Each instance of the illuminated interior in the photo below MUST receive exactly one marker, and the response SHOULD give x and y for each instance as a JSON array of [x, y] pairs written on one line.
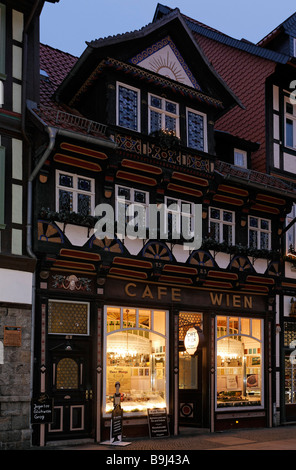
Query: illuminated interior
[[239, 362], [136, 348]]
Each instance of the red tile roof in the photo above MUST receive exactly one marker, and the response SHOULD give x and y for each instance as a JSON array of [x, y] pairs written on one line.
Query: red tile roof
[[246, 75]]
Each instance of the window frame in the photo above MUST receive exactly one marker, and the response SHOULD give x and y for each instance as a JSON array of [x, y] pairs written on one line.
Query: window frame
[[138, 92], [205, 133], [244, 156], [259, 230], [178, 213], [123, 328], [75, 191], [291, 117], [239, 333], [221, 223], [163, 113], [131, 201]]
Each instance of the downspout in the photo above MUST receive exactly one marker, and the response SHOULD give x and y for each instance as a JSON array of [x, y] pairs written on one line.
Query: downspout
[[38, 3]]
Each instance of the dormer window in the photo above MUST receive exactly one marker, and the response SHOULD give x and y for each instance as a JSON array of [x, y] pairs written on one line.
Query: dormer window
[[163, 115], [240, 158], [128, 107]]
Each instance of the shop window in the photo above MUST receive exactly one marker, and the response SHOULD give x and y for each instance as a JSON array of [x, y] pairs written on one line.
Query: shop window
[[128, 107], [290, 123], [136, 355], [179, 218], [221, 225], [163, 115], [68, 318], [197, 130], [290, 362], [133, 203], [240, 158], [259, 233], [74, 193], [239, 362]]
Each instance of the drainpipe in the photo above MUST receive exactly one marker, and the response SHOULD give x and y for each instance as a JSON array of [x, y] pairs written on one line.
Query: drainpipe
[[38, 3]]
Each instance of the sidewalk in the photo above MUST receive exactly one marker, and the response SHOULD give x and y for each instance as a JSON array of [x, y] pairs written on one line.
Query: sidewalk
[[277, 438]]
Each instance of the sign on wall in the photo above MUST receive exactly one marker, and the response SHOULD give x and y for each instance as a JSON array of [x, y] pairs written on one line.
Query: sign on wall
[[12, 336], [191, 341]]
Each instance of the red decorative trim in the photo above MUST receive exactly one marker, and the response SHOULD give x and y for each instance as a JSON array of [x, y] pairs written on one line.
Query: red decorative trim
[[231, 190], [271, 199], [129, 273], [132, 262], [125, 175], [228, 200], [80, 255], [180, 280], [83, 151], [74, 265], [260, 280], [190, 179], [180, 269], [60, 158], [183, 189], [224, 285], [222, 275], [141, 166], [262, 208]]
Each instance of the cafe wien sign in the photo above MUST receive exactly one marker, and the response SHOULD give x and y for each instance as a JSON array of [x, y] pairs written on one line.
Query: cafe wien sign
[[161, 294]]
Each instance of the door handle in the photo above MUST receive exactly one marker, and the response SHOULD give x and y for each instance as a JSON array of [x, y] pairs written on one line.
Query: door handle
[[88, 394]]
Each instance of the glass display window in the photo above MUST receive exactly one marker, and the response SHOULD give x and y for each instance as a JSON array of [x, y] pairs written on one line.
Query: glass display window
[[239, 380], [136, 356]]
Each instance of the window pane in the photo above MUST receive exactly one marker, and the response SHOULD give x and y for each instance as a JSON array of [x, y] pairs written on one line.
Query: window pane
[[84, 204], [253, 239], [171, 107], [159, 321], [170, 123], [253, 222], [289, 133], [264, 241], [215, 231], [155, 102], [113, 319], [227, 216], [140, 197], [215, 214], [155, 121], [66, 180], [144, 319], [65, 201], [129, 318], [124, 193], [227, 234], [84, 184], [265, 224], [245, 326], [187, 371], [195, 131], [256, 329], [128, 108]]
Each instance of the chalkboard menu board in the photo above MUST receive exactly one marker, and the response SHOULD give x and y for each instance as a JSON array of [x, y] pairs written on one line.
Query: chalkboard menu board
[[158, 422], [116, 424], [42, 410]]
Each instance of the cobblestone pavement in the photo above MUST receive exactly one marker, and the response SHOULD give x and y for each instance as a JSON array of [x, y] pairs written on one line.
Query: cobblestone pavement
[[277, 438]]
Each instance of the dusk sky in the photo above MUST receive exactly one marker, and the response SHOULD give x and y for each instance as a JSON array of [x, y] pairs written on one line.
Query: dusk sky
[[68, 24]]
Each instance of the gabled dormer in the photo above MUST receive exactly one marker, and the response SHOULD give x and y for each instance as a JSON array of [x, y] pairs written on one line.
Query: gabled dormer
[[151, 80]]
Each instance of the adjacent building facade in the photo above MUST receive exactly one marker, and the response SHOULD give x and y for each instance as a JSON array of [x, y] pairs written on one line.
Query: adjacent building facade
[[19, 81]]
